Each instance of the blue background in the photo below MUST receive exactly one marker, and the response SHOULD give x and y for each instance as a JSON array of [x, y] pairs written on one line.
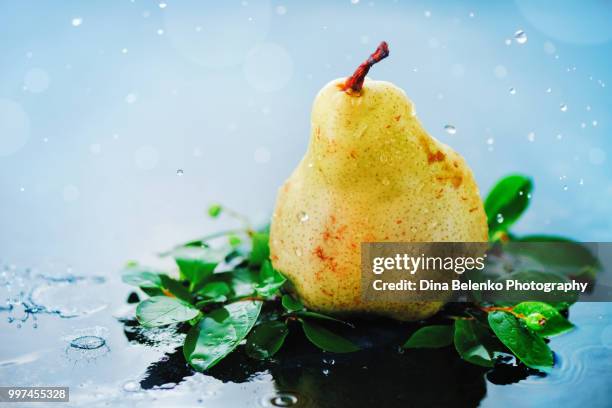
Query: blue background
[[101, 102]]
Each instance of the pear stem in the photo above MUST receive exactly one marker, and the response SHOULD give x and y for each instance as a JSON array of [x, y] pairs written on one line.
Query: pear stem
[[354, 83]]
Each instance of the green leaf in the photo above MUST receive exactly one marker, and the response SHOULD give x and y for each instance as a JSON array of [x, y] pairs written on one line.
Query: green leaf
[[214, 210], [266, 339], [507, 201], [270, 280], [140, 276], [470, 342], [561, 255], [234, 240], [242, 282], [291, 304], [215, 289], [431, 337], [260, 250], [555, 322], [197, 264], [163, 310], [526, 346], [219, 333], [326, 340], [176, 288], [315, 315]]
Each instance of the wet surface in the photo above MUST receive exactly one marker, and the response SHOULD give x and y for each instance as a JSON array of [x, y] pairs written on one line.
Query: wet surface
[[69, 329]]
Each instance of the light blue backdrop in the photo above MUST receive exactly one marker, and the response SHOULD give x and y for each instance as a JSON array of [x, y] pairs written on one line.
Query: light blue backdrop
[[101, 102]]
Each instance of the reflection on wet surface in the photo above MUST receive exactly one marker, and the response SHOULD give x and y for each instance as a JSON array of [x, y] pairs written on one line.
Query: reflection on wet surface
[[78, 331]]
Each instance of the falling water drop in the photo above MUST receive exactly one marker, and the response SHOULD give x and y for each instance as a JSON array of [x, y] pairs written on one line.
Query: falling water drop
[[563, 107], [531, 136], [450, 129], [520, 37], [548, 90], [512, 91], [179, 172]]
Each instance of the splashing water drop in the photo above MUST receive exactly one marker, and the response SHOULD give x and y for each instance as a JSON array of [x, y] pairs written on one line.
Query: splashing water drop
[[520, 37], [450, 129], [284, 400], [88, 342]]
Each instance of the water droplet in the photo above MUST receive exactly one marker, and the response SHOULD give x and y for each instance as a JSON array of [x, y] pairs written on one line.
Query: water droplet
[[531, 136], [529, 196], [450, 129], [548, 90], [581, 182], [512, 91], [325, 372], [354, 1], [521, 192], [298, 252], [160, 32], [179, 172], [385, 181], [22, 189], [520, 37], [162, 5], [284, 400], [588, 107], [565, 188], [490, 141], [427, 13], [559, 136], [594, 123], [508, 41], [383, 158], [563, 107], [500, 218], [472, 15], [77, 21], [303, 217], [88, 342]]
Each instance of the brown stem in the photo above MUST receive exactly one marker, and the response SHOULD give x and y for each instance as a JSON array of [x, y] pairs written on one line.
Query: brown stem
[[508, 309], [354, 83]]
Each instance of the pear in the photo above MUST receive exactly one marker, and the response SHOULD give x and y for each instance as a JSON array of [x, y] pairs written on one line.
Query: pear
[[371, 174]]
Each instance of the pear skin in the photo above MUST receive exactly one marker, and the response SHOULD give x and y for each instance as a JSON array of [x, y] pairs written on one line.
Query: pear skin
[[371, 174]]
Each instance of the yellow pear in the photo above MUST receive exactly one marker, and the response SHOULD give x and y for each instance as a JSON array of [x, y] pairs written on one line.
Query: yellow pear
[[371, 174]]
